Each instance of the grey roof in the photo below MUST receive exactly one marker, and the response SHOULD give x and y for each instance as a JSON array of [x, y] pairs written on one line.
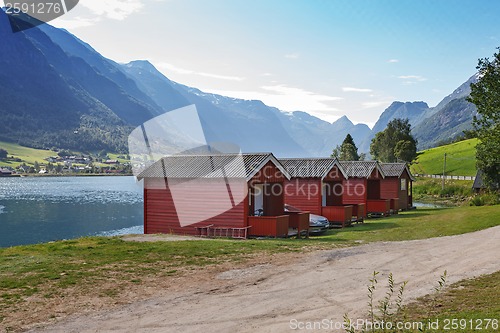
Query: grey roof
[[395, 169], [210, 166], [360, 169], [310, 167], [478, 181]]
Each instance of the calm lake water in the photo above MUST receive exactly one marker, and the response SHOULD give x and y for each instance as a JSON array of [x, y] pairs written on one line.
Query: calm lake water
[[42, 209]]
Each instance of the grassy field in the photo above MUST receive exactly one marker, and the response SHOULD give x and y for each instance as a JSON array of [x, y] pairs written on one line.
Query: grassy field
[[30, 155], [65, 269], [27, 155], [460, 159]]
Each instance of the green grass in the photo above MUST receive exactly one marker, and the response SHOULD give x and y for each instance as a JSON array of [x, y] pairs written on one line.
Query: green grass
[[418, 224], [28, 155], [471, 301], [460, 159]]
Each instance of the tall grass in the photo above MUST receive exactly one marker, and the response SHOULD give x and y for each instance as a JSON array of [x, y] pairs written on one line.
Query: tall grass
[[429, 188]]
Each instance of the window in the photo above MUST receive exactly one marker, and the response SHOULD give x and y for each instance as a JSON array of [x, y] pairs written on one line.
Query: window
[[403, 184]]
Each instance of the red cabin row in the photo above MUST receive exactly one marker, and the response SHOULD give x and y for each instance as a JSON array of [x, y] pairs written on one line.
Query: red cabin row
[[244, 195]]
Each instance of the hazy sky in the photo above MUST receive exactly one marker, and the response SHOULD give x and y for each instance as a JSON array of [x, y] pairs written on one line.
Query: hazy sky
[[329, 58]]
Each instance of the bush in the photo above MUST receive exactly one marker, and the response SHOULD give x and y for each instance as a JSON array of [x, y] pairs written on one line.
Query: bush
[[487, 199]]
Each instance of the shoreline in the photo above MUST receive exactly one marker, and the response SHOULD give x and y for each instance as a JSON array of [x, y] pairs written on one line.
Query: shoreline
[[24, 175]]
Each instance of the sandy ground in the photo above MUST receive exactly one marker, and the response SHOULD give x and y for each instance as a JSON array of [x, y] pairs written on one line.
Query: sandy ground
[[323, 285]]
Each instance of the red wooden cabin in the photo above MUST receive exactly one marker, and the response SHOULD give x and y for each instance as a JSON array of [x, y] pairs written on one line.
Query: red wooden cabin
[[215, 195], [363, 187], [316, 186], [397, 185]]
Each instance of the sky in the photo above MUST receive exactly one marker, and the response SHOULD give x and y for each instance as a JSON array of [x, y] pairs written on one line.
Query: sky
[[328, 58]]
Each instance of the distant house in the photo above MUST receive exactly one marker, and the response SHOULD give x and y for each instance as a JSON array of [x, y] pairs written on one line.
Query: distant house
[[397, 185], [5, 172], [111, 162], [478, 185], [363, 186], [316, 186], [224, 194]]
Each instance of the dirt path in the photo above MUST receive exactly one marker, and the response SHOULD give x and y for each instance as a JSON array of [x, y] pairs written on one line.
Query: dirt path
[[324, 285]]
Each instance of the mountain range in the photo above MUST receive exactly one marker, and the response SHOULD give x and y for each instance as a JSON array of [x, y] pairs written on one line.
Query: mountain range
[[57, 91]]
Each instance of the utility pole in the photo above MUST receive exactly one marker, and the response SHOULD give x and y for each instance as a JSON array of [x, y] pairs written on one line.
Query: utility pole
[[444, 171]]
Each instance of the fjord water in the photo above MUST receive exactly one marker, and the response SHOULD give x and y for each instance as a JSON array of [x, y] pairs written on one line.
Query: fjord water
[[42, 209]]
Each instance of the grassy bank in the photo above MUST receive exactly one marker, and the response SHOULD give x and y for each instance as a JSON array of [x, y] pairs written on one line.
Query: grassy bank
[[471, 302], [460, 159], [430, 189], [39, 276]]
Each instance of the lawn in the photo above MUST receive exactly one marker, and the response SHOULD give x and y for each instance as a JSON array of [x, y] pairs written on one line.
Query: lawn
[[418, 224], [460, 159]]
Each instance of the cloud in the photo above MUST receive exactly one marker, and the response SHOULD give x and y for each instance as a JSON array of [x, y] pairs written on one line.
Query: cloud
[[411, 79], [351, 89], [289, 99], [222, 77], [375, 104], [292, 56], [173, 68], [76, 22], [392, 61], [112, 9]]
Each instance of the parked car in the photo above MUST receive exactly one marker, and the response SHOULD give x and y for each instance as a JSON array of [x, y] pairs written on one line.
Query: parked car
[[317, 224]]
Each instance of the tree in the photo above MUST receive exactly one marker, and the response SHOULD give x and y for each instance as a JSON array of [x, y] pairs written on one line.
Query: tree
[[485, 94], [383, 146], [347, 151], [36, 167], [335, 152], [405, 150], [3, 153]]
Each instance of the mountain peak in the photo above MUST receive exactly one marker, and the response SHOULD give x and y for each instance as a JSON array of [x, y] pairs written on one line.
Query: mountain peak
[[142, 64], [343, 121]]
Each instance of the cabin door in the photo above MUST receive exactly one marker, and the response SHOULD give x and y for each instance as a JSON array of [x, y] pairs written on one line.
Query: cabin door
[[324, 193], [258, 196]]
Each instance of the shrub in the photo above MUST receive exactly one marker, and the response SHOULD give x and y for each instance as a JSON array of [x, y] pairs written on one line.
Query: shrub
[[487, 199]]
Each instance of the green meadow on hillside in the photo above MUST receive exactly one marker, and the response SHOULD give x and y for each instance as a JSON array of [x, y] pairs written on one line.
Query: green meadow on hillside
[[27, 155], [32, 155], [460, 159]]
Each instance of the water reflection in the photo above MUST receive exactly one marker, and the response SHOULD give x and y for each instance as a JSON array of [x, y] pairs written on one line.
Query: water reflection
[[429, 205], [42, 209]]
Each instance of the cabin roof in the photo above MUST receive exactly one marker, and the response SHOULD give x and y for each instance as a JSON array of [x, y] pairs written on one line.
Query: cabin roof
[[311, 167], [361, 169], [478, 181], [211, 166], [395, 169]]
